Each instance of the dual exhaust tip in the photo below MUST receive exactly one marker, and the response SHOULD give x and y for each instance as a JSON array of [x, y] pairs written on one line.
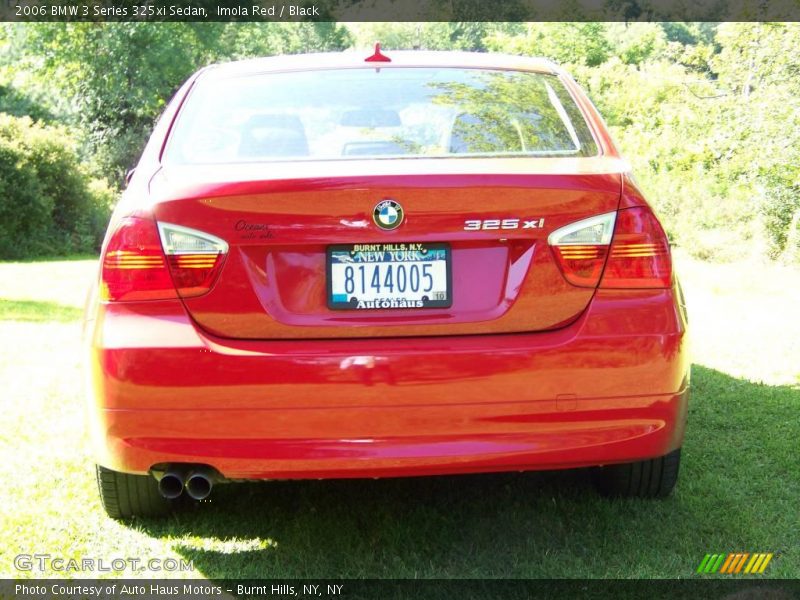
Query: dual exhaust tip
[[196, 482]]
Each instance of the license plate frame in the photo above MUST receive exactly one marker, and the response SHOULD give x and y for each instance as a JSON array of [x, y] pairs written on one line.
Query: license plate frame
[[349, 305]]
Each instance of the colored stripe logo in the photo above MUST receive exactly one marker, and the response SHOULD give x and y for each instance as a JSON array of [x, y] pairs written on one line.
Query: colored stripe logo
[[735, 563]]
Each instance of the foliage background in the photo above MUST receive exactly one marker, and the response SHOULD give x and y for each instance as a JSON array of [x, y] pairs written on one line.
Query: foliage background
[[708, 114]]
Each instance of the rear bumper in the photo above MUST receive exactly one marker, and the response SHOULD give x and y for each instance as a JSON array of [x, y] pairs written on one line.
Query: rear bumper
[[611, 387]]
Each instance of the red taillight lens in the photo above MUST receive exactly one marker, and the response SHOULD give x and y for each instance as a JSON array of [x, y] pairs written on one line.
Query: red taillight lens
[[195, 258], [581, 265], [194, 273], [581, 248], [134, 265], [145, 261], [639, 255]]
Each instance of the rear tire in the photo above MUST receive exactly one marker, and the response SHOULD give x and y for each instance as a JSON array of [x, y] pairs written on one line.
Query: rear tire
[[124, 495], [654, 478]]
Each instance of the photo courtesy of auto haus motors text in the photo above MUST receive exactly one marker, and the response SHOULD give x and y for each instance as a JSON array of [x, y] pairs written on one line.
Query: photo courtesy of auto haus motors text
[[175, 590]]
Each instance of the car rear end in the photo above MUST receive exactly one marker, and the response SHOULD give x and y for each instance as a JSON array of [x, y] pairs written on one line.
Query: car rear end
[[326, 268]]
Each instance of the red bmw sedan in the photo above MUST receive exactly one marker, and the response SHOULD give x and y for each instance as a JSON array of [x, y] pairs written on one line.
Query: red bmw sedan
[[414, 264]]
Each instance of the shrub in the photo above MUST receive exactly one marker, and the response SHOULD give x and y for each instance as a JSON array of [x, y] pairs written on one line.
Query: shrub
[[17, 103], [48, 203]]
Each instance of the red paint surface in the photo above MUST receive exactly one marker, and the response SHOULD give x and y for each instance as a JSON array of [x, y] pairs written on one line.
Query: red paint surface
[[259, 379], [165, 392]]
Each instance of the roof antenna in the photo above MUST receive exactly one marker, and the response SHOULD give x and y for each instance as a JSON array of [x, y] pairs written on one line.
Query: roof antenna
[[378, 57]]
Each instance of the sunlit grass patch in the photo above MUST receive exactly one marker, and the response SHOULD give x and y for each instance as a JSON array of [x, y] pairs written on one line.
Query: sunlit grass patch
[[31, 310], [64, 282], [227, 546]]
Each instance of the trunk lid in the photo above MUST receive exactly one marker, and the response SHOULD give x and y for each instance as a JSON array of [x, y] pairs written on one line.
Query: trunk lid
[[279, 220]]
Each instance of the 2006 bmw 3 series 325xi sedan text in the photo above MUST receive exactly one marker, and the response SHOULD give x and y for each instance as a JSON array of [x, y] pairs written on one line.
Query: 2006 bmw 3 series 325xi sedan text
[[415, 264]]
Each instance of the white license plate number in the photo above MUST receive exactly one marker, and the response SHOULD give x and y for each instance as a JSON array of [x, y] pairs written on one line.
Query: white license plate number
[[389, 276]]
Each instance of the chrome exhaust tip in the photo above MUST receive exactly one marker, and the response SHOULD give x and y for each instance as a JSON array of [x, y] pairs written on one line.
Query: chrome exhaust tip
[[170, 485], [199, 485]]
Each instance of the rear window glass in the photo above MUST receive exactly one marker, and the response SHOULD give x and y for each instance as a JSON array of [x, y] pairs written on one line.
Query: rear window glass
[[371, 113]]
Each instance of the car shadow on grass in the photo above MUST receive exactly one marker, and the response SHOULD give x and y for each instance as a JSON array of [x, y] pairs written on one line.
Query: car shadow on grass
[[736, 492]]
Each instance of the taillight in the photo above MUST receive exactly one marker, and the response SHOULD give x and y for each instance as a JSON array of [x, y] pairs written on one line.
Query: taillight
[[635, 256], [144, 261], [639, 256], [134, 265], [581, 248], [195, 258]]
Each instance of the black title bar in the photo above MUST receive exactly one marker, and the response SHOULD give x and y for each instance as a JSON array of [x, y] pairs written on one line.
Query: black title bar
[[200, 11]]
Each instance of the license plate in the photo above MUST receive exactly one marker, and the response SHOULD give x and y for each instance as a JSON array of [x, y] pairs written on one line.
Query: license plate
[[389, 276]]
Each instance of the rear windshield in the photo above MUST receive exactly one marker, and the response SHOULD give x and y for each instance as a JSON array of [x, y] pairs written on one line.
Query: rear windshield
[[378, 113]]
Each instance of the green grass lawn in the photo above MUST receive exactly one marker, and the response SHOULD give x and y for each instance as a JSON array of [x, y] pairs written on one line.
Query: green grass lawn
[[739, 488]]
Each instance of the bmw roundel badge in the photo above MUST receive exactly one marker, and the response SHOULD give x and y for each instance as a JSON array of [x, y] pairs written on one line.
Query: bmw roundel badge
[[388, 214]]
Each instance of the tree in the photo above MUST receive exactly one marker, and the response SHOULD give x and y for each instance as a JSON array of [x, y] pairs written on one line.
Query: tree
[[118, 77], [566, 43]]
